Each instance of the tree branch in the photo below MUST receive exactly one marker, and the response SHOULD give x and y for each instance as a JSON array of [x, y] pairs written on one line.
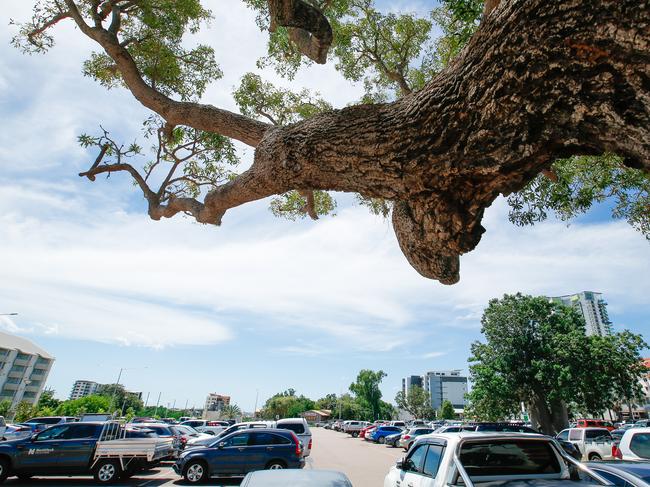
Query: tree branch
[[196, 115]]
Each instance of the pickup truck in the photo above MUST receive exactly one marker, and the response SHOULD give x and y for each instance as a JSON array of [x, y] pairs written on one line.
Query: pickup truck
[[92, 448], [592, 443], [469, 459], [354, 427]]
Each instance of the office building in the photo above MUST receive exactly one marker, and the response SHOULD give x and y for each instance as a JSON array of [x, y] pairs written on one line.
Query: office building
[[215, 402], [446, 385], [83, 388], [411, 381], [592, 307], [24, 368]]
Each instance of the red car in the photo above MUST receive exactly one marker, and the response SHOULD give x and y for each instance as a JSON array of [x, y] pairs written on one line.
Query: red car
[[367, 430], [594, 423]]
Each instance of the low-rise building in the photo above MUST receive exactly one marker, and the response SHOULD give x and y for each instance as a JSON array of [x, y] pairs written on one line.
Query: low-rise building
[[24, 368], [214, 404], [317, 415]]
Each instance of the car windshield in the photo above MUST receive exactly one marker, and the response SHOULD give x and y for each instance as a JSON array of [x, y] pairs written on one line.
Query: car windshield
[[44, 420], [297, 428]]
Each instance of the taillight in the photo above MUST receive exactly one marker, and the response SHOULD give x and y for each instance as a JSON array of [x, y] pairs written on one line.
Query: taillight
[[616, 452], [406, 437], [309, 447], [297, 442]]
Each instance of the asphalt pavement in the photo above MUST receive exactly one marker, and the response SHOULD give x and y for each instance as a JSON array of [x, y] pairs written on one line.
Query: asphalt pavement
[[365, 463]]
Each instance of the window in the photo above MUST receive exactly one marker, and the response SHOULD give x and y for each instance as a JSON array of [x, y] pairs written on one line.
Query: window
[[238, 440], [563, 435], [54, 433], [598, 435], [432, 460], [259, 439], [80, 431], [298, 428], [52, 420], [509, 457], [640, 445], [22, 356], [414, 461], [614, 479], [575, 434], [18, 368], [13, 380], [29, 394]]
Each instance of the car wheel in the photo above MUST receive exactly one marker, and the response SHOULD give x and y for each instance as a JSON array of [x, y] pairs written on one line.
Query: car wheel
[[196, 472], [107, 471], [275, 465], [595, 457], [5, 469], [355, 434], [382, 440]]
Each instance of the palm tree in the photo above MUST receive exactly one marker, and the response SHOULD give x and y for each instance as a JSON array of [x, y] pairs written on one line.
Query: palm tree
[[231, 411]]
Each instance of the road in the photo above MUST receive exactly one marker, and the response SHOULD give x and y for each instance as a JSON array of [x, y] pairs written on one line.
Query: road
[[365, 463]]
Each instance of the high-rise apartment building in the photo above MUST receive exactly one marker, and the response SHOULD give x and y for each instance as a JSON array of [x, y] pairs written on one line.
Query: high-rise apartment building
[[592, 307], [215, 402], [24, 368], [83, 388]]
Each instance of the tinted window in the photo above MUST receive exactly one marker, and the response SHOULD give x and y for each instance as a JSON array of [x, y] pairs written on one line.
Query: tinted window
[[238, 440], [44, 420], [563, 435], [508, 457], [297, 428], [416, 459], [268, 439], [432, 460], [422, 431], [600, 435], [640, 445], [614, 479], [53, 433], [79, 431], [161, 430]]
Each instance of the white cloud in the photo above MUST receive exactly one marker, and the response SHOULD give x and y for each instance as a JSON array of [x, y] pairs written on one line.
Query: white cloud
[[434, 354]]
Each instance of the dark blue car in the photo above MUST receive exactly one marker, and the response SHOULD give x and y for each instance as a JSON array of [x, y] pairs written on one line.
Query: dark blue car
[[241, 452], [380, 434]]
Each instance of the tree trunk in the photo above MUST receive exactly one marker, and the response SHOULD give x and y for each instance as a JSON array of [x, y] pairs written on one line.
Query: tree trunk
[[540, 80]]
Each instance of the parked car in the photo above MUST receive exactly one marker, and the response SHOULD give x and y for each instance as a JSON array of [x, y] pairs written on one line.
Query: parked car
[[235, 427], [438, 460], [296, 478], [354, 427], [623, 474], [393, 440], [16, 431], [366, 430], [408, 437], [642, 423], [44, 422], [76, 448], [592, 443], [186, 433], [241, 452], [163, 431], [634, 445], [205, 426], [503, 427], [380, 434], [450, 429], [300, 427], [594, 423]]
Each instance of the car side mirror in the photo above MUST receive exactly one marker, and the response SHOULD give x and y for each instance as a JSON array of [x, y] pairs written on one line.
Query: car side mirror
[[34, 437], [221, 445], [399, 464]]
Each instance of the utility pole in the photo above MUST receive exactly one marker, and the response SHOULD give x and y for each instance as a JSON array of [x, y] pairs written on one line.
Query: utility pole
[[119, 376], [257, 395], [157, 403], [146, 400]]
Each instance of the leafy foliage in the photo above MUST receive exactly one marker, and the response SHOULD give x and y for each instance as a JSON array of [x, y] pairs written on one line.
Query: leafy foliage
[[581, 182], [286, 405], [447, 410], [293, 205], [366, 389], [537, 353], [416, 402], [5, 407]]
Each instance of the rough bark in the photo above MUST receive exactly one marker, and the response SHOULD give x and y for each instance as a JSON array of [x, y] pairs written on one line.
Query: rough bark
[[541, 79]]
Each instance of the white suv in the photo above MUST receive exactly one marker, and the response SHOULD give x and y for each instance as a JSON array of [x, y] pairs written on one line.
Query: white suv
[[300, 427], [634, 445]]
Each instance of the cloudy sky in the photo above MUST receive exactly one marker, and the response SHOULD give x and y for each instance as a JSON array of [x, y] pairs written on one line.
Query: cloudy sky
[[260, 304]]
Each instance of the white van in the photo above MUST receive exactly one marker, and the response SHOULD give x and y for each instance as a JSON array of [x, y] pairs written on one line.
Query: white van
[[300, 427]]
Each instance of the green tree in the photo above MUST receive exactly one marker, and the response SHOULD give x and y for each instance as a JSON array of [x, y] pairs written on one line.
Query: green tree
[[286, 405], [88, 404], [329, 401], [5, 408], [537, 353], [447, 410], [489, 116], [231, 411], [120, 398], [416, 402], [24, 411], [366, 389], [47, 400]]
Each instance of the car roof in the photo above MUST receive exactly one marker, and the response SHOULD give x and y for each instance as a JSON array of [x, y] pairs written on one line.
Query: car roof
[[297, 478], [632, 467]]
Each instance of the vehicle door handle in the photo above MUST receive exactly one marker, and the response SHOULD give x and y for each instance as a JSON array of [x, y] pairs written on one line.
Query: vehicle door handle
[[241, 448], [269, 448]]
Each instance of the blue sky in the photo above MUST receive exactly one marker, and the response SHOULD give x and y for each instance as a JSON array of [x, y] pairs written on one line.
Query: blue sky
[[259, 304]]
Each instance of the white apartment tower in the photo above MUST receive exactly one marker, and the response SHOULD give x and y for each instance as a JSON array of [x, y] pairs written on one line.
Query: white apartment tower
[[83, 388], [24, 368], [592, 307]]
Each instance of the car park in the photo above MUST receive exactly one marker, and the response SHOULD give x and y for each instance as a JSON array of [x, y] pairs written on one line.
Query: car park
[[623, 474], [296, 478], [16, 431], [380, 434], [301, 428], [592, 443], [205, 426], [100, 449], [186, 433], [408, 437], [235, 427], [634, 445], [467, 459], [241, 452], [41, 423], [393, 440]]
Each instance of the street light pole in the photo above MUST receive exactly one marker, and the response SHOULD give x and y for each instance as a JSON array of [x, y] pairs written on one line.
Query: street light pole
[[8, 314]]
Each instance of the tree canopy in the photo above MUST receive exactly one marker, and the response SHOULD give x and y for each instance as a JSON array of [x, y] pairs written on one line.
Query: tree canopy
[[537, 352], [545, 102], [416, 401]]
